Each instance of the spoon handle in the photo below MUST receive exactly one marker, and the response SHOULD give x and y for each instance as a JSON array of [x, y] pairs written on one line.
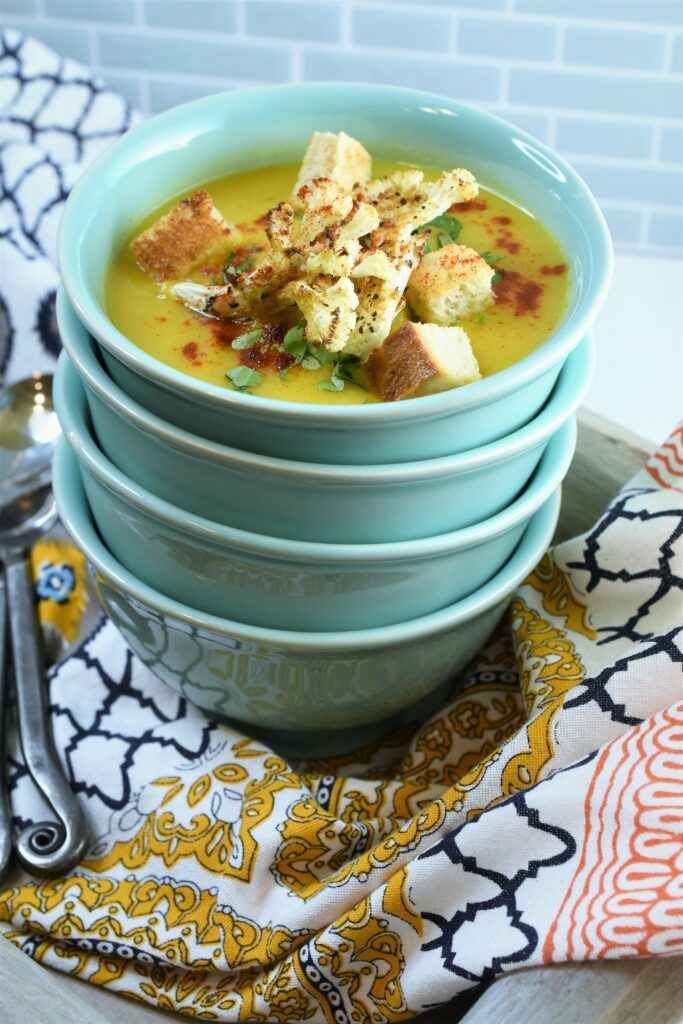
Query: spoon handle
[[5, 814], [46, 848]]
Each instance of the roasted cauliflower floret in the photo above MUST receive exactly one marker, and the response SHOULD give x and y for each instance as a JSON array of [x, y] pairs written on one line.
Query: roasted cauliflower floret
[[325, 205], [379, 300], [405, 201], [331, 225], [420, 359], [338, 157], [255, 291], [324, 243], [450, 284], [374, 263], [328, 310]]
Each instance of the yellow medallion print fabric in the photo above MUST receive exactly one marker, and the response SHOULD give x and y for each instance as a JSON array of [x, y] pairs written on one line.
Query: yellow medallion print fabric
[[232, 884]]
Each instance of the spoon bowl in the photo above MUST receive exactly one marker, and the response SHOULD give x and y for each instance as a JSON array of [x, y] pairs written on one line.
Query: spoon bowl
[[28, 431]]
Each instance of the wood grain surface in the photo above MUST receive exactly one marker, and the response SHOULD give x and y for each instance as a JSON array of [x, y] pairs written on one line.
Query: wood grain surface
[[604, 992]]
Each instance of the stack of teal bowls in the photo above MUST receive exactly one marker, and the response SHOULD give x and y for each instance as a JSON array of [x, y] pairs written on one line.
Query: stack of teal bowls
[[311, 571]]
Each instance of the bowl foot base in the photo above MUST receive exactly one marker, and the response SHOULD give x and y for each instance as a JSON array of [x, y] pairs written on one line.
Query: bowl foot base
[[301, 745]]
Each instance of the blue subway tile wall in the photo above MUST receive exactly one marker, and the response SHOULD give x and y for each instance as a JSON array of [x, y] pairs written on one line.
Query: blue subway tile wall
[[612, 48], [198, 14], [282, 19], [507, 38], [599, 80], [671, 149], [120, 11], [401, 29]]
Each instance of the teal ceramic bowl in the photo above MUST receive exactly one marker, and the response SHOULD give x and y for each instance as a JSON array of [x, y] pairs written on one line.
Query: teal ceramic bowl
[[296, 683], [307, 501], [287, 584], [191, 144]]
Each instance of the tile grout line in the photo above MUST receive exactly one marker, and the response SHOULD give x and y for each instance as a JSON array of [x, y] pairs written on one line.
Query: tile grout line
[[656, 146], [346, 18], [559, 43], [241, 20], [454, 34], [296, 65], [668, 54]]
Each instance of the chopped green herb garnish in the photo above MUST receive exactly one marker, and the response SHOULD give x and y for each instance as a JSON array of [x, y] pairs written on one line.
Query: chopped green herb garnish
[[342, 372], [244, 377], [294, 343], [432, 244], [230, 270], [492, 257], [497, 278], [333, 384], [448, 223], [293, 334], [443, 231], [451, 225], [323, 354], [305, 355], [248, 339]]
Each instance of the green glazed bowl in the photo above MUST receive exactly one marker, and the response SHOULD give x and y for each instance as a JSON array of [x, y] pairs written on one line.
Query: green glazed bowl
[[288, 584], [298, 684], [191, 144], [304, 500]]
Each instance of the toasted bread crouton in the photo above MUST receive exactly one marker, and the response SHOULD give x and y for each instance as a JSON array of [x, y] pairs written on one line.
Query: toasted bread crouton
[[421, 359], [452, 283], [191, 231], [334, 156]]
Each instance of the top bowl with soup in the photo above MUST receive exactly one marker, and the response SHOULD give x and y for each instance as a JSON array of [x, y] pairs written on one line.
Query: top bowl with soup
[[315, 318]]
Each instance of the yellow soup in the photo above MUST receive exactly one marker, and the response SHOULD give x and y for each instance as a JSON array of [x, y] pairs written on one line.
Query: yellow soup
[[531, 293]]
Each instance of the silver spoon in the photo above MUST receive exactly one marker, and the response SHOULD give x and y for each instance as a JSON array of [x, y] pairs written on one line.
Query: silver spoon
[[47, 848], [29, 429]]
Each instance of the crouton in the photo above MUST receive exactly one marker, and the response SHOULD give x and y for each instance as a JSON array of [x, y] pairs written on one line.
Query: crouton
[[191, 231], [450, 284], [334, 156], [421, 359]]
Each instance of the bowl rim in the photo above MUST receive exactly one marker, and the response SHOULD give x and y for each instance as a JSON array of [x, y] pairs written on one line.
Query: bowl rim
[[567, 394], [71, 405], [481, 392], [74, 512]]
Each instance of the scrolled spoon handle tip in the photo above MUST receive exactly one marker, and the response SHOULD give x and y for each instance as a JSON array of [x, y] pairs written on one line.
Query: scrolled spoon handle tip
[[49, 849]]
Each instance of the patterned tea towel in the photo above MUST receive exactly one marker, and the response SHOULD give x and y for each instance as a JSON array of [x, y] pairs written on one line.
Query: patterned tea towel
[[537, 817], [55, 117]]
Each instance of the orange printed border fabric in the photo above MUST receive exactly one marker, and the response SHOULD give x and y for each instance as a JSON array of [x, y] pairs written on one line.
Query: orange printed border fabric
[[536, 817]]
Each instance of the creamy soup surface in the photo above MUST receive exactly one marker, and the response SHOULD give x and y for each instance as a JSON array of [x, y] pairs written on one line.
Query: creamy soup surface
[[531, 290]]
